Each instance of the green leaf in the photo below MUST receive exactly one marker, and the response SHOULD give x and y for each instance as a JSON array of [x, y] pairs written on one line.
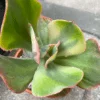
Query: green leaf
[[54, 79], [52, 56], [43, 30], [18, 14], [35, 45], [89, 62], [17, 73], [49, 53], [27, 54], [70, 36]]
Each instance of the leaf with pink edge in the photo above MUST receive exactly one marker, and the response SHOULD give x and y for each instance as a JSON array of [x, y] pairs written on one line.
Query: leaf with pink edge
[[17, 73], [14, 32], [89, 62], [70, 36], [54, 79]]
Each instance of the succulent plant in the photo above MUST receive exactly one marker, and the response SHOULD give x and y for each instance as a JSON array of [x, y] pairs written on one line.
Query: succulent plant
[[55, 56]]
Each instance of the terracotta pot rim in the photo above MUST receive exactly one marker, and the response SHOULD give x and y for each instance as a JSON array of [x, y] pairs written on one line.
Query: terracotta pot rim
[[28, 91]]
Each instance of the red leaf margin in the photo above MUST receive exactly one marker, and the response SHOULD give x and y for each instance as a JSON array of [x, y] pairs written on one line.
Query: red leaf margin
[[98, 48], [20, 51]]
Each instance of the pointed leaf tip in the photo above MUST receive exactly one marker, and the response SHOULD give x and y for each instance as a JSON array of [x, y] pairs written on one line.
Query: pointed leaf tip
[[54, 52]]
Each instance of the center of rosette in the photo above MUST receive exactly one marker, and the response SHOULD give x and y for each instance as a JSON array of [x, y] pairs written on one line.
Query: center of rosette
[[49, 53]]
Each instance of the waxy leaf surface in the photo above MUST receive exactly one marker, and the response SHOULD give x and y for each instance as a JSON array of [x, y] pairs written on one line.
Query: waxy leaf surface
[[17, 73], [70, 36], [54, 79], [43, 30], [89, 62], [18, 14]]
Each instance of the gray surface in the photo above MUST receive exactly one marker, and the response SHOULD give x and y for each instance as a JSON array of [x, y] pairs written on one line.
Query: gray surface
[[86, 13], [75, 94]]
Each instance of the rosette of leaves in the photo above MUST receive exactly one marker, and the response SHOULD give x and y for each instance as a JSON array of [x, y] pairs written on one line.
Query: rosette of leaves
[[56, 56]]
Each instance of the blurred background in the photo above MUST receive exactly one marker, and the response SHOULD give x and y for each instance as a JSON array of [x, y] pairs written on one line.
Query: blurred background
[[85, 13]]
